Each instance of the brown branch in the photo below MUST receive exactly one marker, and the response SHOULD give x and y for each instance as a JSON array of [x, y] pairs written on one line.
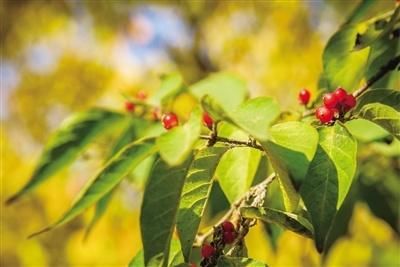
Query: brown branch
[[220, 139], [389, 66], [235, 207]]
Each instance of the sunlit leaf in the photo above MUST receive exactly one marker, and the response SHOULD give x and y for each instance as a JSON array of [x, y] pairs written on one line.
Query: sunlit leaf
[[329, 178], [171, 85], [287, 220], [159, 207], [176, 144], [138, 260], [254, 116], [219, 86], [290, 150], [109, 177], [383, 115], [73, 136], [236, 171], [195, 194], [365, 131]]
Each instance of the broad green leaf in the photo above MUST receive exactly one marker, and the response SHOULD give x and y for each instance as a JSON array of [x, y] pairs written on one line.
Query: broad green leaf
[[236, 171], [225, 261], [175, 254], [219, 86], [176, 144], [365, 131], [128, 136], [195, 194], [383, 115], [287, 220], [290, 150], [159, 207], [383, 96], [138, 260], [254, 116], [342, 66], [171, 85], [73, 136], [360, 12], [329, 178], [109, 177]]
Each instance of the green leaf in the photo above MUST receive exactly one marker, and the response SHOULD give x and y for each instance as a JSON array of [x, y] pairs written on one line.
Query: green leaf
[[109, 177], [128, 136], [219, 86], [195, 194], [360, 12], [342, 66], [254, 116], [73, 136], [236, 171], [159, 207], [385, 116], [171, 85], [176, 144], [383, 96], [291, 149], [287, 220], [329, 178], [225, 261], [366, 131], [138, 260], [175, 254]]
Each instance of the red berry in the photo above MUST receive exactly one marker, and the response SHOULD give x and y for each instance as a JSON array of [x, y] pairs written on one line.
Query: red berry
[[304, 96], [324, 114], [227, 226], [330, 100], [349, 102], [142, 95], [129, 106], [207, 251], [340, 94], [170, 120], [229, 237], [207, 120]]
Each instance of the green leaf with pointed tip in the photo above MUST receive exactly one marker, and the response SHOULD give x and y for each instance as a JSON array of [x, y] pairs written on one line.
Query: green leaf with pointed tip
[[343, 66], [176, 144], [287, 220], [366, 131], [225, 261], [253, 116], [329, 178], [359, 13], [291, 150], [219, 86], [383, 115], [109, 177], [159, 207], [195, 194], [128, 136], [171, 85], [73, 136], [236, 171], [175, 254], [382, 96]]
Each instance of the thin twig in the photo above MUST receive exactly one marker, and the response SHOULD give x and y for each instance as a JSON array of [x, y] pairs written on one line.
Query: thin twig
[[225, 140], [389, 66], [234, 207]]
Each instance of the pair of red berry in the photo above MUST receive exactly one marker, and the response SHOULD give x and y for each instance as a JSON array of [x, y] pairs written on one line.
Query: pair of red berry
[[336, 104], [170, 120], [229, 235], [130, 106]]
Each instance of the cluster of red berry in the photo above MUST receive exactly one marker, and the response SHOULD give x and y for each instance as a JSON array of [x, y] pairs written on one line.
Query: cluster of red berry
[[336, 104], [169, 120], [229, 235]]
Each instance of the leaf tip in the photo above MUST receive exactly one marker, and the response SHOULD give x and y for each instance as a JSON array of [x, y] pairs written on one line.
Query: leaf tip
[[40, 232]]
